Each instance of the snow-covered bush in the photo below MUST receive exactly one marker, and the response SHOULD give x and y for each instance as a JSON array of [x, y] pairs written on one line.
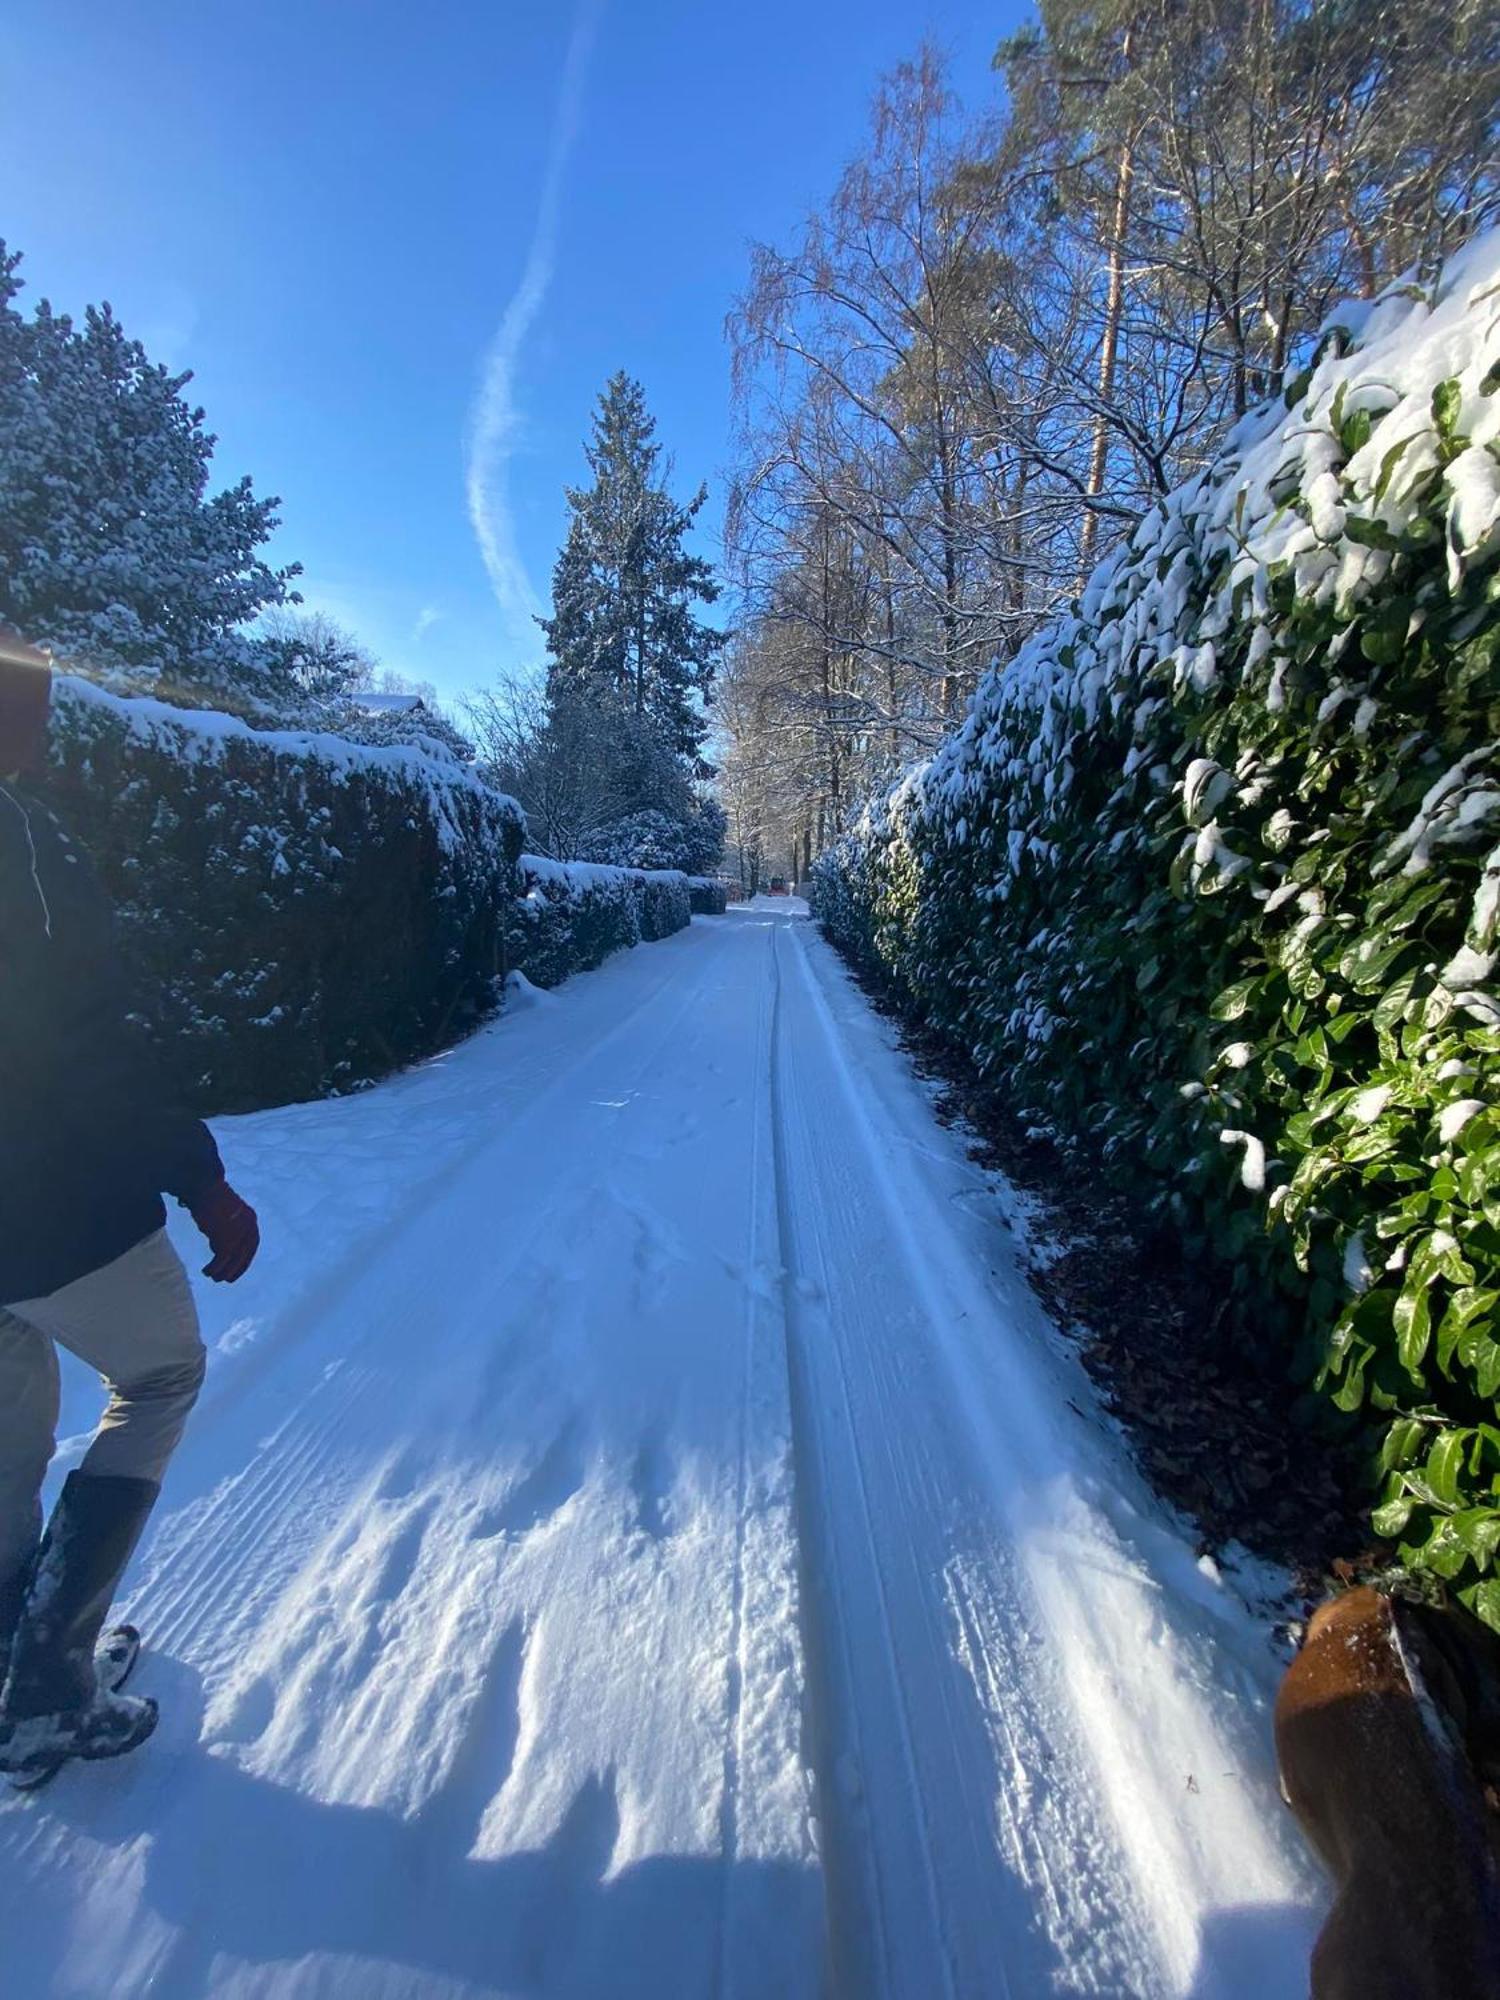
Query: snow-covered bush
[[594, 777], [305, 913], [425, 728], [665, 902], [691, 840], [1209, 881], [572, 914], [707, 895], [647, 839]]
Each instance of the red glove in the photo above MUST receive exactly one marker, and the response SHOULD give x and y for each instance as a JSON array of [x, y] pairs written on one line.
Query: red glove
[[232, 1231]]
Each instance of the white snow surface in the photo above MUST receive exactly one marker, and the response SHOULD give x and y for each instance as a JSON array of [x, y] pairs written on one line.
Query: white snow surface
[[635, 1541], [579, 874]]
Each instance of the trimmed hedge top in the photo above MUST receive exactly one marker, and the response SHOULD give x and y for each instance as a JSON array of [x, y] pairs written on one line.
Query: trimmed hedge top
[[573, 914], [305, 913], [1209, 877]]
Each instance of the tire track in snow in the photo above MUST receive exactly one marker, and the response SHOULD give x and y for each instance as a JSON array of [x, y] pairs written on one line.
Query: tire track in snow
[[947, 1871], [201, 1549], [736, 1663], [836, 1558], [1093, 1762], [861, 1944]]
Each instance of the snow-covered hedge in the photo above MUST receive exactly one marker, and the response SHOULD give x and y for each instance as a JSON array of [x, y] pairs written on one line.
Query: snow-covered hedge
[[708, 896], [691, 839], [1209, 877], [573, 914], [308, 912]]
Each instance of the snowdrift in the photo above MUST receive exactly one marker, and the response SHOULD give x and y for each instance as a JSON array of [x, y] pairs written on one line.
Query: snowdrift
[[1208, 881]]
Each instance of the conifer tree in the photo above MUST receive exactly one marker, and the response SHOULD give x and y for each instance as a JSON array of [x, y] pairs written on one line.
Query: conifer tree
[[625, 586], [112, 549]]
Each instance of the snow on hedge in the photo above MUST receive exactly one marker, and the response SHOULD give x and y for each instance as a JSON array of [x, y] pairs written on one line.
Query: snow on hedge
[[573, 914], [201, 735], [1209, 878], [304, 912], [580, 874], [708, 895], [1320, 503], [307, 911]]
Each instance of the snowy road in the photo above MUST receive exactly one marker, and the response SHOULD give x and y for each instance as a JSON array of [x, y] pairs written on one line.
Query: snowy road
[[636, 1541]]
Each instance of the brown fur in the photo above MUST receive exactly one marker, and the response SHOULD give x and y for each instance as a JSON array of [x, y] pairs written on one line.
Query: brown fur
[[1373, 1729]]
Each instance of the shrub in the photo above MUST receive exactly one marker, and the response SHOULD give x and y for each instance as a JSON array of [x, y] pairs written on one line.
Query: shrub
[[1208, 882], [573, 914], [690, 840], [665, 903], [707, 895], [305, 914]]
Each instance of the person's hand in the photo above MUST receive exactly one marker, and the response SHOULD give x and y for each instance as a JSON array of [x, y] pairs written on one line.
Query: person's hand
[[232, 1230]]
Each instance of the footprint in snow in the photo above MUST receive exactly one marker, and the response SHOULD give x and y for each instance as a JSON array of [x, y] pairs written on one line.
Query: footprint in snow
[[651, 1484], [248, 1712], [541, 1494]]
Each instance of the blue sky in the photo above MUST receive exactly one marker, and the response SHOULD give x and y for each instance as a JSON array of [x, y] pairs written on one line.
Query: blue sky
[[328, 211]]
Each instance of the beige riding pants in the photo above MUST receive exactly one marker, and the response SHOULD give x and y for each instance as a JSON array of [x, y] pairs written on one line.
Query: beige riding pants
[[133, 1321]]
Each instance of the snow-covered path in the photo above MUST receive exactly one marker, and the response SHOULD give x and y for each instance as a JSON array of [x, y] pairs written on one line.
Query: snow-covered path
[[636, 1541]]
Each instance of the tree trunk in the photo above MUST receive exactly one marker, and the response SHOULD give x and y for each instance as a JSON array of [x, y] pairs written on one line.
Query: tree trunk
[[950, 599], [948, 502], [830, 724], [640, 655], [1016, 594], [1109, 346], [892, 692], [1359, 236]]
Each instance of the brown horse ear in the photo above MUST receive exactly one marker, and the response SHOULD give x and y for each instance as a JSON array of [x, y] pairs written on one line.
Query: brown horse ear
[[25, 699]]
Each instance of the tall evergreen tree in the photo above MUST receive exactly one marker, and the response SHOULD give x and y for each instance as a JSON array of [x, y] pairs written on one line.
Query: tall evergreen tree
[[625, 586], [112, 549]]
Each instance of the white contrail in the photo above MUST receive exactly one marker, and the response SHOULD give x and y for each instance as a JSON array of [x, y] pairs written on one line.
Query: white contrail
[[493, 420]]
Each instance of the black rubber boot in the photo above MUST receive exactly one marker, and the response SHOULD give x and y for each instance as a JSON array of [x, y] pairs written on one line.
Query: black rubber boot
[[13, 1584], [12, 1597], [92, 1534], [36, 1748]]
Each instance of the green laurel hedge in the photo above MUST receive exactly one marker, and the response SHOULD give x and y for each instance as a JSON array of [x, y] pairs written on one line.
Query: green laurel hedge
[[1208, 881]]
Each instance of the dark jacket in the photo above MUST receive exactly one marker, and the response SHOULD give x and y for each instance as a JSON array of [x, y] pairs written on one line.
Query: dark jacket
[[90, 1137]]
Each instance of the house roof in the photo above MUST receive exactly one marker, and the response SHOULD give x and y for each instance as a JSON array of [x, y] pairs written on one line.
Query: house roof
[[390, 704]]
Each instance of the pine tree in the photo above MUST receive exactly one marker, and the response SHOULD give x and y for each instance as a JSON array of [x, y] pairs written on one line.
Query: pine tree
[[311, 659], [625, 586], [111, 548]]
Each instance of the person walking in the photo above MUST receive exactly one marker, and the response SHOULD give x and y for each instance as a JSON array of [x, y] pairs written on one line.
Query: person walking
[[90, 1141]]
